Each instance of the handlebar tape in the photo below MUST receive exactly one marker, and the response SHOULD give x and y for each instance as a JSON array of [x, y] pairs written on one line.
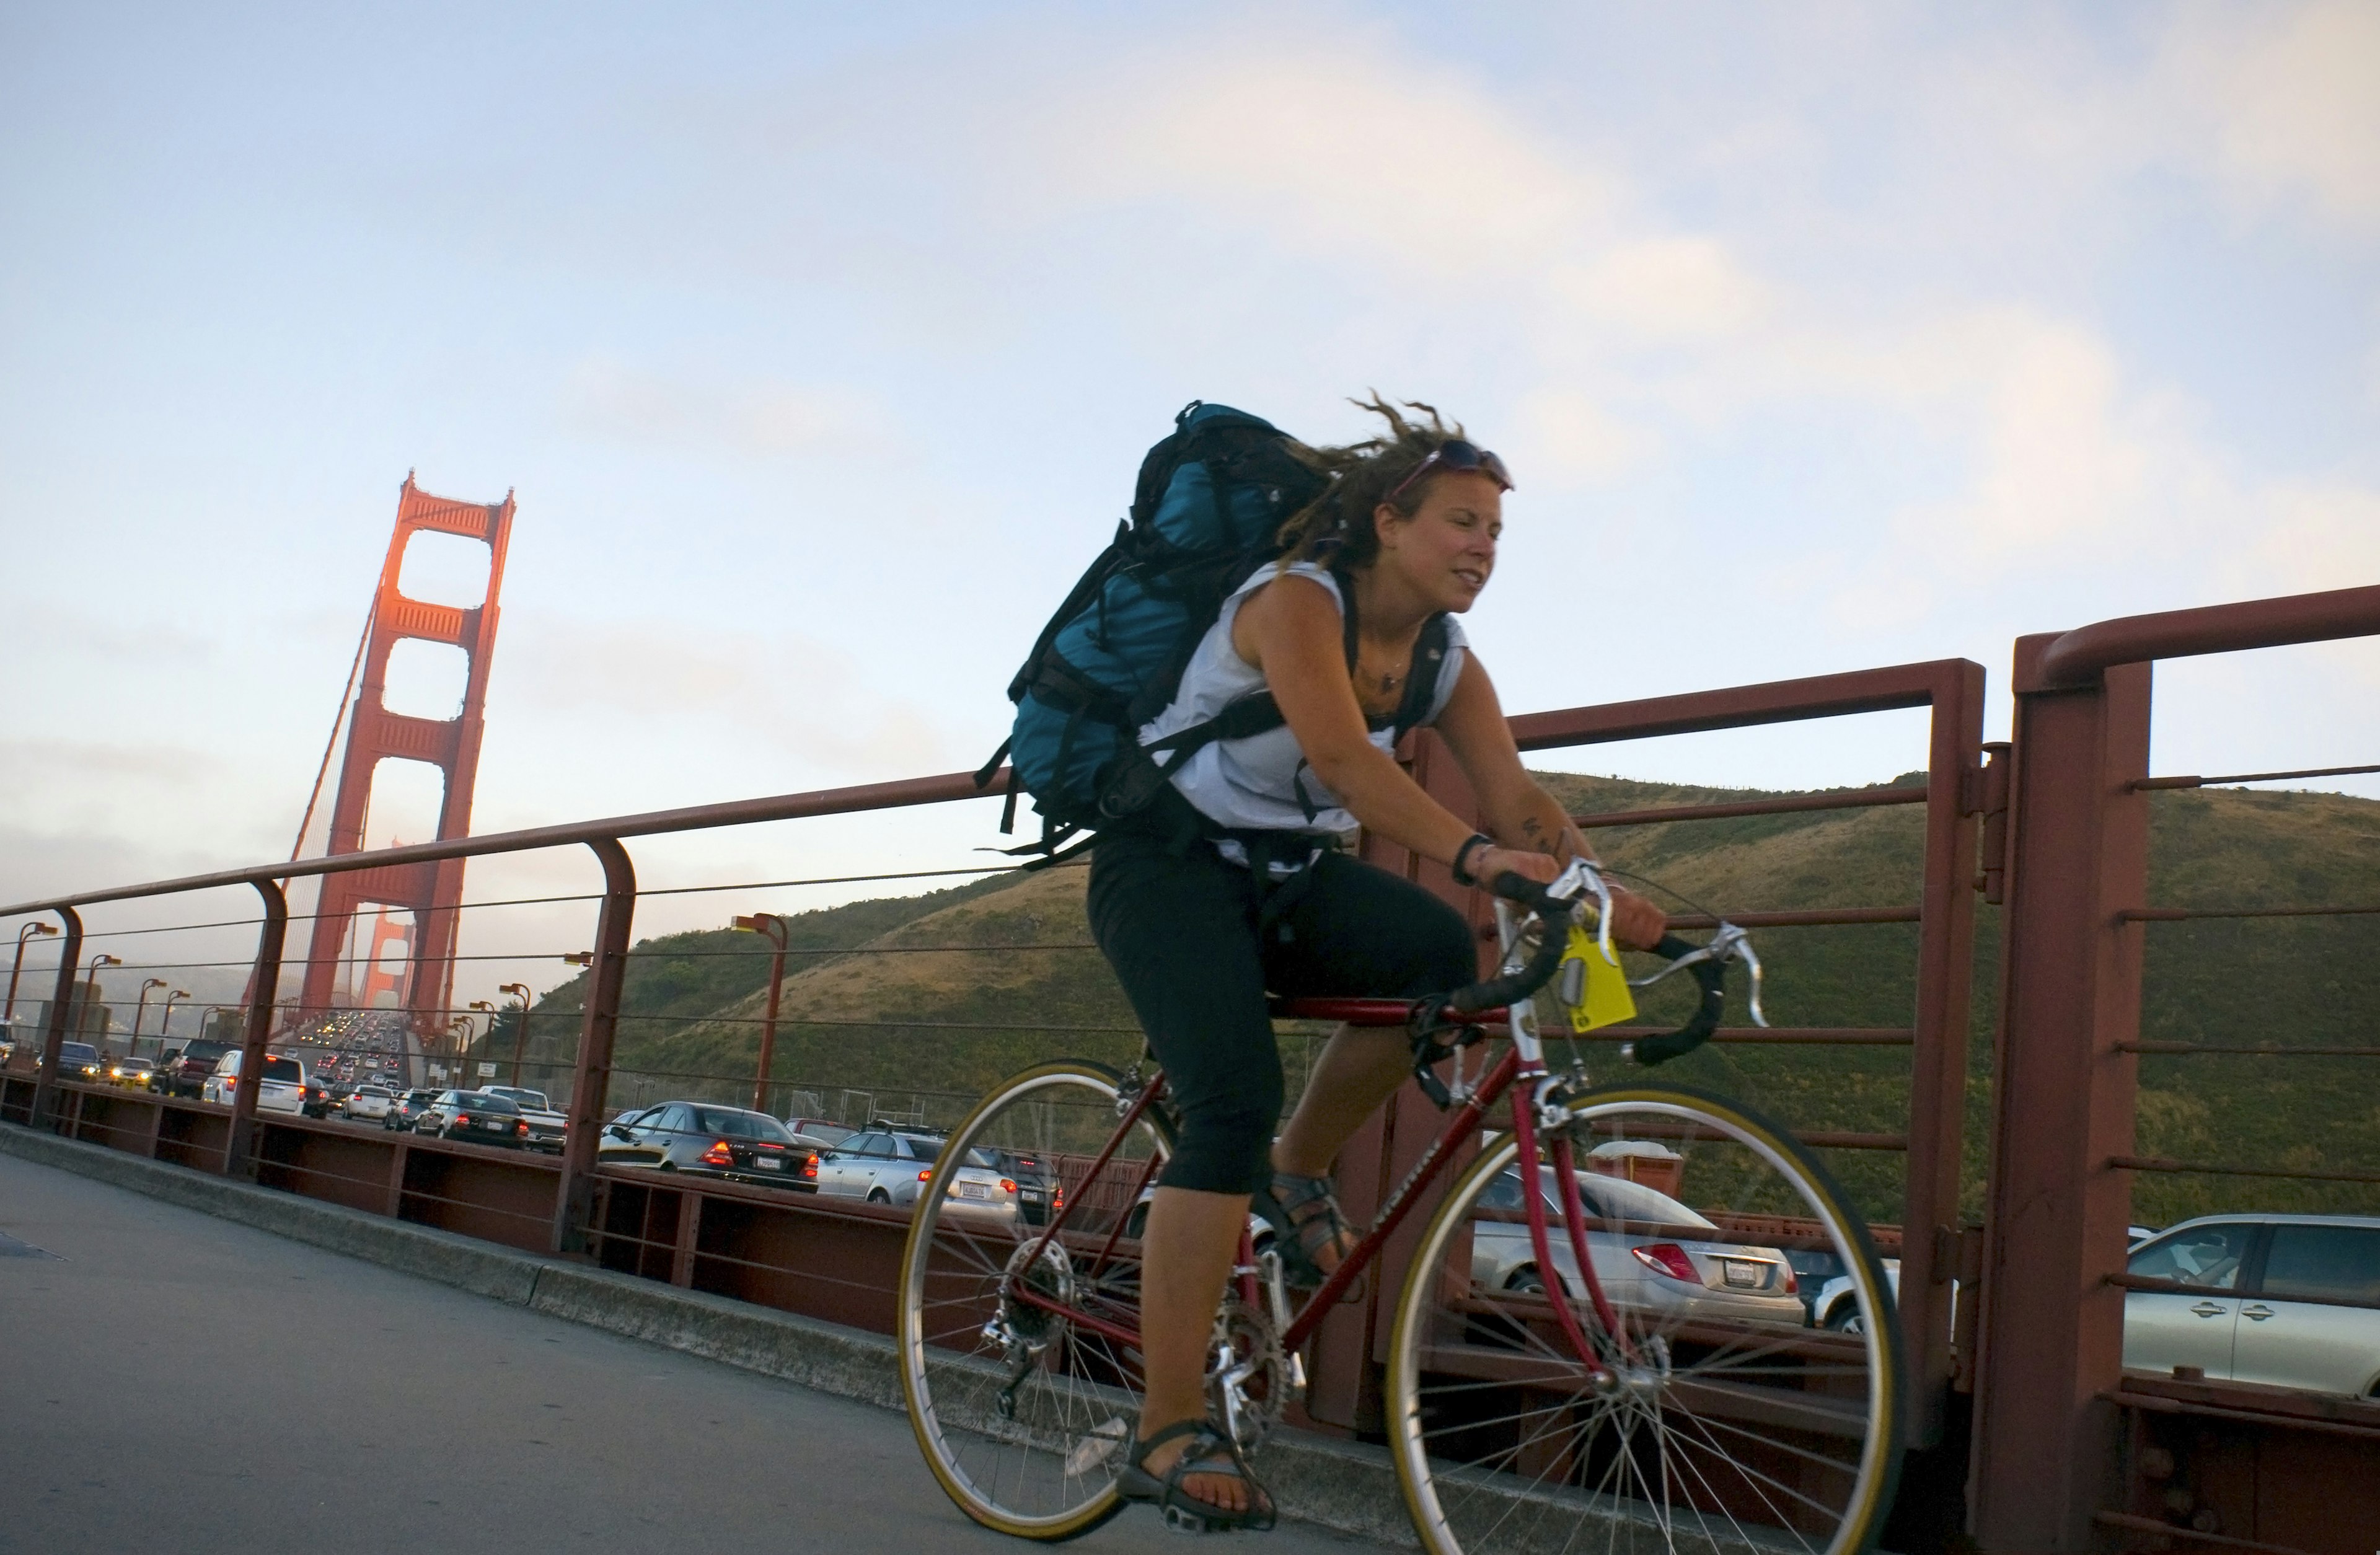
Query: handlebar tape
[[1513, 987], [1711, 976]]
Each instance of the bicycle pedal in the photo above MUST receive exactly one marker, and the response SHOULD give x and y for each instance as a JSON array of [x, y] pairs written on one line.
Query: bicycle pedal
[[1181, 1522]]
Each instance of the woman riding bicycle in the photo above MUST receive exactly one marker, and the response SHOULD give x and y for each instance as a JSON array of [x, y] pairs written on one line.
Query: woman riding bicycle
[[1231, 889]]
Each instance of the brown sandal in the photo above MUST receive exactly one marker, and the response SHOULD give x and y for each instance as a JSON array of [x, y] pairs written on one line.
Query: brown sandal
[[1210, 1452]]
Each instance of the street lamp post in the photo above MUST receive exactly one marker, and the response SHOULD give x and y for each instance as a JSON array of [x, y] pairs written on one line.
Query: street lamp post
[[29, 931], [165, 1021], [458, 1031], [140, 1012], [489, 1007], [83, 1026], [520, 1032], [773, 927]]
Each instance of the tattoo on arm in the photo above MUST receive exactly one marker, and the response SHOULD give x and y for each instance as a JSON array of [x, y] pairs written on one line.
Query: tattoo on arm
[[1534, 829]]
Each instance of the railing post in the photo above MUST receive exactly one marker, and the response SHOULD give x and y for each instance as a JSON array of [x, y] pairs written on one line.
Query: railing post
[[575, 1199], [263, 987], [45, 1083], [1938, 1080], [2052, 1328]]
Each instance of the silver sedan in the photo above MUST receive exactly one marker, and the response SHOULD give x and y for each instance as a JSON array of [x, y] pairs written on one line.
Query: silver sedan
[[1668, 1269], [882, 1166]]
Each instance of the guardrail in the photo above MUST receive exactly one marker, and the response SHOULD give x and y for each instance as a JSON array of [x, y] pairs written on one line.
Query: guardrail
[[2068, 1445]]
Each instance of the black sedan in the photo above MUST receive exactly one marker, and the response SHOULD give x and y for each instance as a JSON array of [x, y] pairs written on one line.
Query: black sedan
[[475, 1117], [711, 1140]]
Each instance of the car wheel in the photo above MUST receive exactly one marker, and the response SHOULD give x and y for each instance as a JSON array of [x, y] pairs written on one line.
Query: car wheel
[[1847, 1318], [878, 1196], [1527, 1282]]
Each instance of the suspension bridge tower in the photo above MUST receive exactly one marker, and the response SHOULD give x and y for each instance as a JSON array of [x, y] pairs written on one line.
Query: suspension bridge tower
[[431, 893]]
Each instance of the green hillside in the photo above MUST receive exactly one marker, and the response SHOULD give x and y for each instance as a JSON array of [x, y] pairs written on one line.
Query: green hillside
[[937, 996]]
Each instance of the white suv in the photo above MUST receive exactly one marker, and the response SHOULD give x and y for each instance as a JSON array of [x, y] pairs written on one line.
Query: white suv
[[2290, 1300], [283, 1088]]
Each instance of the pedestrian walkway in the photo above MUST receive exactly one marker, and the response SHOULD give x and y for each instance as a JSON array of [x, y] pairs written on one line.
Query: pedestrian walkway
[[175, 1381]]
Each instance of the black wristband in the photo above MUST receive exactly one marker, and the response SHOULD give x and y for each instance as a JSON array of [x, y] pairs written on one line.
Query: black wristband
[[1463, 877]]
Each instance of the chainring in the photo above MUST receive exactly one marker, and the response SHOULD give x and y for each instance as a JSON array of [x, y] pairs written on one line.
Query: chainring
[[1248, 1381]]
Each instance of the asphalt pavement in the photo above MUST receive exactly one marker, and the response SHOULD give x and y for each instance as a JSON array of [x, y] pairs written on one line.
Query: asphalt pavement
[[173, 1381]]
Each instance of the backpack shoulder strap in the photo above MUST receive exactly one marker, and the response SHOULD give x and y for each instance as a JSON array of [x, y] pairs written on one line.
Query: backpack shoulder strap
[[1421, 677]]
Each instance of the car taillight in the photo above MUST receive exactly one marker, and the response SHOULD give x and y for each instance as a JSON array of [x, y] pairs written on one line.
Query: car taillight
[[925, 1174], [1793, 1286], [809, 1167], [1058, 1198], [1669, 1259], [719, 1155], [1006, 1186], [521, 1127]]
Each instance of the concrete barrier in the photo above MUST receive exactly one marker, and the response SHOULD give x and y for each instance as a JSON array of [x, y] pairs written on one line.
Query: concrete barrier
[[1344, 1485]]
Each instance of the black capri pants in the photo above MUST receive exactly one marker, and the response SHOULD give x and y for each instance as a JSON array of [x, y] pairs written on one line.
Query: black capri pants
[[1179, 928]]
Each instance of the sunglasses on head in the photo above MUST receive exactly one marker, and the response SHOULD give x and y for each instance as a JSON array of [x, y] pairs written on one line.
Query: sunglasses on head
[[1455, 454]]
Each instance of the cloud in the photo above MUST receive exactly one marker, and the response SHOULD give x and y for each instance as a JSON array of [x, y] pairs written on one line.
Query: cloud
[[2306, 537], [2290, 97], [787, 692], [609, 398], [1577, 438], [1664, 287], [1337, 146]]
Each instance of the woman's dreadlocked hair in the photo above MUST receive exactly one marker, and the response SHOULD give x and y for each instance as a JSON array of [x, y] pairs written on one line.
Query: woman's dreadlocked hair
[[1336, 528]]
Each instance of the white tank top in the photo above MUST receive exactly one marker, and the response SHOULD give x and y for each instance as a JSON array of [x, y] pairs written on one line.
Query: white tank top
[[1252, 784]]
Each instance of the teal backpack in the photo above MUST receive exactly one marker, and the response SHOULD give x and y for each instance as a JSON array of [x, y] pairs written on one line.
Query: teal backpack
[[1206, 513]]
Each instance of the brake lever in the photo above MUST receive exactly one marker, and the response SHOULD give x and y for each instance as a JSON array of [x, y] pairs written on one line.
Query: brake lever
[[1729, 944], [1581, 875]]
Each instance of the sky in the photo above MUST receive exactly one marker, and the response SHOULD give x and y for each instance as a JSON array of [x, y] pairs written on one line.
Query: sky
[[820, 345]]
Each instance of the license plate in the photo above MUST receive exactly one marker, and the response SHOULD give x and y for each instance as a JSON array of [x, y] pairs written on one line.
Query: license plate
[[1743, 1274], [768, 1163], [492, 1126], [974, 1190]]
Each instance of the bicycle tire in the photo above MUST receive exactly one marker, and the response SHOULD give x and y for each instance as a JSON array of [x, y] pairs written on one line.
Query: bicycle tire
[[1683, 1464], [1050, 1475]]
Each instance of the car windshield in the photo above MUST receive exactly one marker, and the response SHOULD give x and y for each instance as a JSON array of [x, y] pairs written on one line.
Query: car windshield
[[78, 1052], [985, 1159], [480, 1101], [284, 1069], [369, 1090]]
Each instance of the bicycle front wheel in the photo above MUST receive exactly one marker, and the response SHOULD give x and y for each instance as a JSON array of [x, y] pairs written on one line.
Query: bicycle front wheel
[[1016, 1362], [1711, 1415]]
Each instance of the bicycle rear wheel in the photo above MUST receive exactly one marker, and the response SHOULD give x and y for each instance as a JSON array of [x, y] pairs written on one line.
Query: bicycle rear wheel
[[1716, 1420], [1020, 1402]]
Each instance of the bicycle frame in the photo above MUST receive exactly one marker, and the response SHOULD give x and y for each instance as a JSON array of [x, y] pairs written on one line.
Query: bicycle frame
[[1520, 1073]]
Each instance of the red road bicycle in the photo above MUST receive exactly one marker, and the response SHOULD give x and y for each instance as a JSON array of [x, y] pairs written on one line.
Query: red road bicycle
[[1578, 1359]]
